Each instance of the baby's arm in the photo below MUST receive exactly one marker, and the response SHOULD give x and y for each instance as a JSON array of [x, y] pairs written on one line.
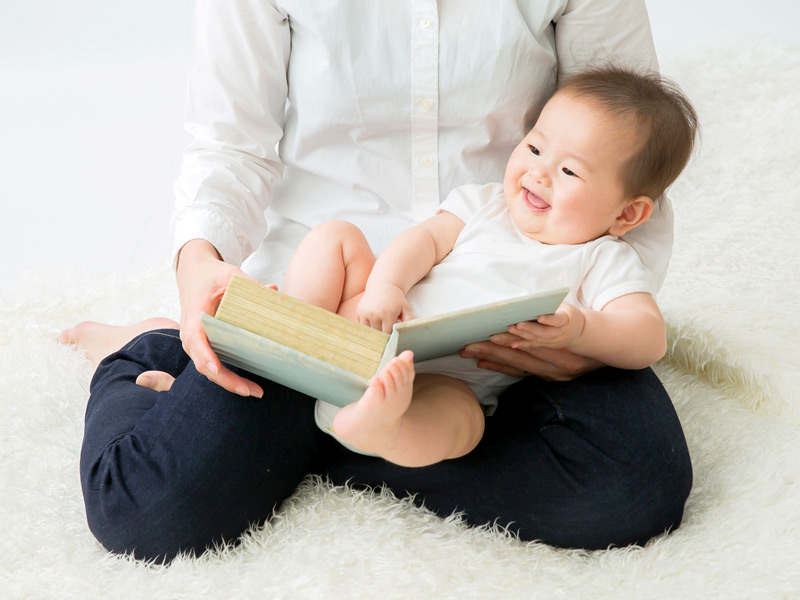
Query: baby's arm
[[405, 261], [628, 333]]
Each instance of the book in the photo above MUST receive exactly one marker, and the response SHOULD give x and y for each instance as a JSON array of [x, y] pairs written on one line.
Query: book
[[327, 356]]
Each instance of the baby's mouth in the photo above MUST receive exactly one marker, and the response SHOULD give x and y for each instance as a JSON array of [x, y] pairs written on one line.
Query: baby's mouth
[[534, 202]]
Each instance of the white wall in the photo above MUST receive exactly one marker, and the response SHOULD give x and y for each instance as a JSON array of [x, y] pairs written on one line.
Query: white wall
[[91, 109], [676, 23], [91, 104]]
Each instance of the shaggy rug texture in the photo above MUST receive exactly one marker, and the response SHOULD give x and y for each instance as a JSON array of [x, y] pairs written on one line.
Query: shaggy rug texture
[[730, 300]]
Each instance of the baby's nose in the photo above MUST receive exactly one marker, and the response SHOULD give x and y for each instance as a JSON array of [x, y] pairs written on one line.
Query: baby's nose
[[540, 175]]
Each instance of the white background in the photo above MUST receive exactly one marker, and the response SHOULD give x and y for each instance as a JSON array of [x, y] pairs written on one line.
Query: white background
[[91, 105]]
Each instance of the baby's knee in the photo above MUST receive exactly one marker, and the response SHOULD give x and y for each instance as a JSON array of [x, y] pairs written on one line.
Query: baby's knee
[[340, 231]]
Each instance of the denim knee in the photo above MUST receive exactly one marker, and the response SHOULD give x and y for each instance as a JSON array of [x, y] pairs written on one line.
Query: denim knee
[[154, 533], [180, 470], [637, 503]]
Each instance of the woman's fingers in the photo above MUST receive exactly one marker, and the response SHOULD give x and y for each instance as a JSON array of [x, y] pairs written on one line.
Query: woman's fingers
[[547, 363]]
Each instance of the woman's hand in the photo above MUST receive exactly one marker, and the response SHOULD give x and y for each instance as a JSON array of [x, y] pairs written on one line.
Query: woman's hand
[[553, 364], [202, 278]]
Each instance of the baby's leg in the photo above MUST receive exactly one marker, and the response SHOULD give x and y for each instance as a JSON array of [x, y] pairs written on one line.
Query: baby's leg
[[330, 267], [412, 421], [99, 340]]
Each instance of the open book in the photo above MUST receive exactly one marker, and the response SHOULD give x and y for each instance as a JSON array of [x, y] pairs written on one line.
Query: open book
[[326, 356]]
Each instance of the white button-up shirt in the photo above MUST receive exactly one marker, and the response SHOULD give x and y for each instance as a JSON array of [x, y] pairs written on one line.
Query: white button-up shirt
[[303, 111]]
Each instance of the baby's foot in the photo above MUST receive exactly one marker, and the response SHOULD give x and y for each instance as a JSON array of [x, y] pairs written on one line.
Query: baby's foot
[[99, 340], [373, 422]]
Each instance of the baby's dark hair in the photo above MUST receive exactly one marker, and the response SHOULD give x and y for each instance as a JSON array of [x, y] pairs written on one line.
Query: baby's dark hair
[[662, 115]]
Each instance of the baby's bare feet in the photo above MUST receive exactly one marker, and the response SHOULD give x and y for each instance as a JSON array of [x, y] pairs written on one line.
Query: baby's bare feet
[[99, 340], [373, 422]]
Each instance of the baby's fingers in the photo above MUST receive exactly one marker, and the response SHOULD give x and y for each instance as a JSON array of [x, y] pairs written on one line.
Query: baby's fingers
[[532, 332], [405, 314], [557, 319], [529, 330]]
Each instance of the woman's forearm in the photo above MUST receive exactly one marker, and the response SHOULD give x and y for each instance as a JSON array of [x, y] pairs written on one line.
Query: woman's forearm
[[195, 250]]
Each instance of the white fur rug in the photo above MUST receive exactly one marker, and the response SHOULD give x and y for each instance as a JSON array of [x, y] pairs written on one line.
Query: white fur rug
[[732, 370]]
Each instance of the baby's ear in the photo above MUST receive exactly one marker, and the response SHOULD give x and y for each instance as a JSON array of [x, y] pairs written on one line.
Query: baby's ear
[[636, 212]]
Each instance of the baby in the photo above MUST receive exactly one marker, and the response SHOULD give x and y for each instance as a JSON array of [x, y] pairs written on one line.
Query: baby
[[604, 149]]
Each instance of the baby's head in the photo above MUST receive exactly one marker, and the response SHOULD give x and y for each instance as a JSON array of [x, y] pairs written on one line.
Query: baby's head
[[604, 149]]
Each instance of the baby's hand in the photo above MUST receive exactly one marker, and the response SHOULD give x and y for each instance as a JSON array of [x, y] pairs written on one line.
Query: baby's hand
[[562, 329], [382, 306]]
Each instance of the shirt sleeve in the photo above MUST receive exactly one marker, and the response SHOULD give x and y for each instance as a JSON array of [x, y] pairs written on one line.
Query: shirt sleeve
[[466, 200], [612, 269], [594, 32], [237, 92]]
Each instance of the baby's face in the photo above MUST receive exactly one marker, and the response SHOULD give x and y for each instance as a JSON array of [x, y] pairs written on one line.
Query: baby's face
[[562, 182]]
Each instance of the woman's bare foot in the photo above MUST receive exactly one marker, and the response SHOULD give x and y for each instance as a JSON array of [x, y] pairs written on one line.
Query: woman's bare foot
[[99, 340], [373, 422]]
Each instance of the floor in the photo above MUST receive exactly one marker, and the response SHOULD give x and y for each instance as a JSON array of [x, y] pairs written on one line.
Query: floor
[[91, 104]]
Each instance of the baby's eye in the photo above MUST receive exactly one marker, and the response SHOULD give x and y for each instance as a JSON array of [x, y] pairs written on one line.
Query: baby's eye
[[567, 171], [534, 149]]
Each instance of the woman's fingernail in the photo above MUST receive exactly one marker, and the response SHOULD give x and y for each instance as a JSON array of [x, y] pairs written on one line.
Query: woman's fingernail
[[212, 368], [243, 391]]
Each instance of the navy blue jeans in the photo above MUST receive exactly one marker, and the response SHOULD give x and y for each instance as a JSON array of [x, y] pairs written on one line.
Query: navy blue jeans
[[590, 463]]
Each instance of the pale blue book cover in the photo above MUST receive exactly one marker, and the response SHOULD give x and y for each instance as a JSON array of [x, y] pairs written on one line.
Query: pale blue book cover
[[429, 337]]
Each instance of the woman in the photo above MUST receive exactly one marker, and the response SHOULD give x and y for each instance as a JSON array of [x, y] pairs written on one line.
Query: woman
[[370, 112]]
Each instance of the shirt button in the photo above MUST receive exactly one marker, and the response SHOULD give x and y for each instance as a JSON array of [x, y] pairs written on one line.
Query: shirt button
[[425, 161], [426, 104], [425, 22]]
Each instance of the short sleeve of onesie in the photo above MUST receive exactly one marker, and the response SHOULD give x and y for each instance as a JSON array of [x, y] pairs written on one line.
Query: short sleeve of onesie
[[614, 270], [464, 201]]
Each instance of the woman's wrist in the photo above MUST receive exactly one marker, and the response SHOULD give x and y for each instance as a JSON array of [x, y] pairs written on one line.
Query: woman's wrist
[[194, 251]]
